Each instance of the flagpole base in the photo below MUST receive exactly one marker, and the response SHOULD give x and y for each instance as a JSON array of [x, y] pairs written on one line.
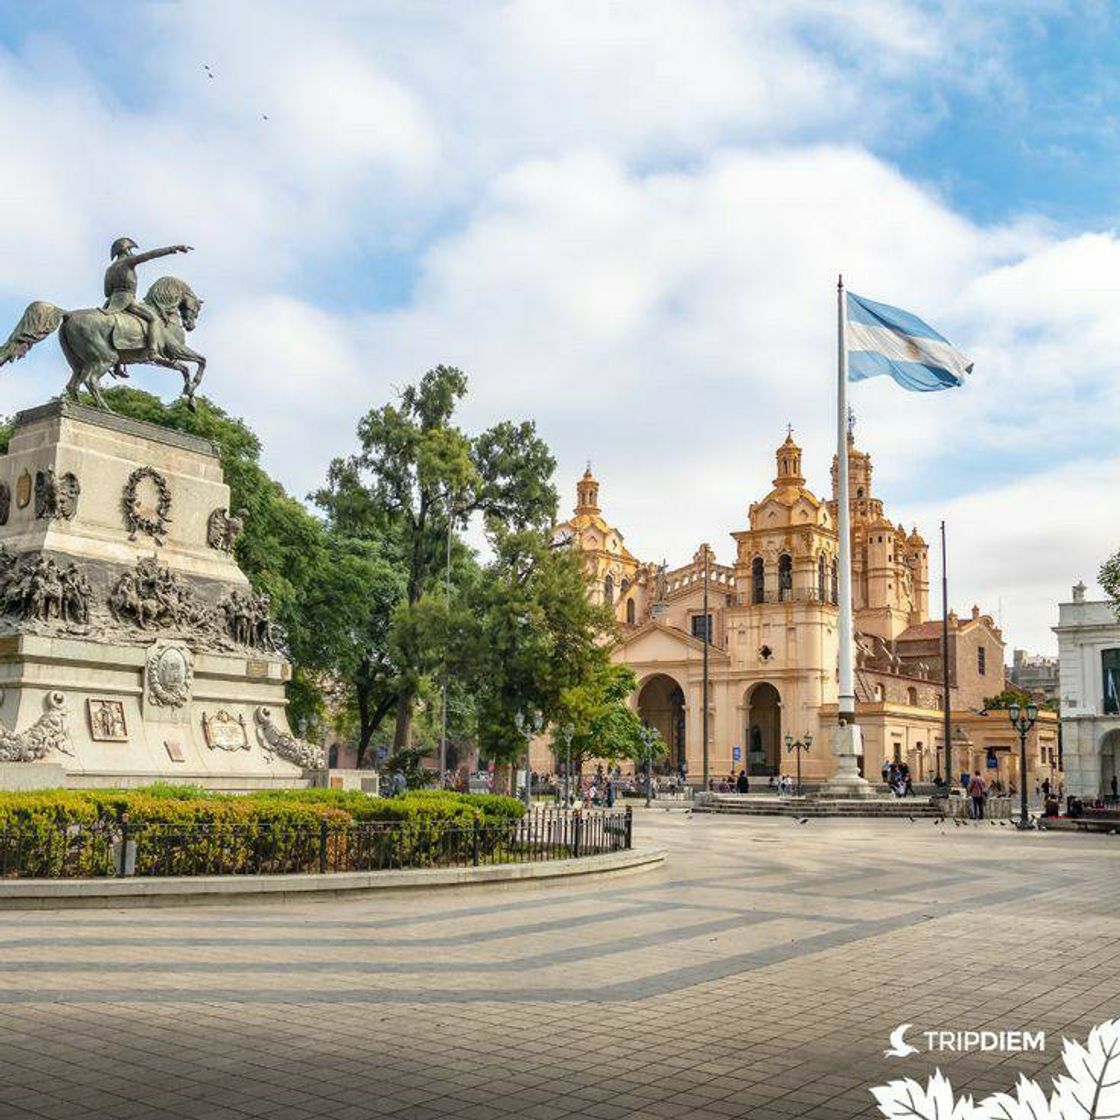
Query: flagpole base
[[847, 745]]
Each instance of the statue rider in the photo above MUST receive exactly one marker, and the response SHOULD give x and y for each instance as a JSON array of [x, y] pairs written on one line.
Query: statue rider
[[120, 286]]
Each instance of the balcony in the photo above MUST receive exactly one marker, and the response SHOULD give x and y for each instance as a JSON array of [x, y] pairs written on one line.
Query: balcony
[[787, 595]]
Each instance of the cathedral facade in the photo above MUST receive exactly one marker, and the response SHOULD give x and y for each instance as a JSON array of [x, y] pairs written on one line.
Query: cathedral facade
[[771, 628]]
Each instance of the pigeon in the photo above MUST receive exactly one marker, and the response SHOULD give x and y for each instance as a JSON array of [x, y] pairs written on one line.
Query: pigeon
[[910, 819], [264, 116], [803, 820], [1003, 824], [209, 72]]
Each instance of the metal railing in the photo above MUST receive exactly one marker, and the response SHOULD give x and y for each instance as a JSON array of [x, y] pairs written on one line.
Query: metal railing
[[101, 849]]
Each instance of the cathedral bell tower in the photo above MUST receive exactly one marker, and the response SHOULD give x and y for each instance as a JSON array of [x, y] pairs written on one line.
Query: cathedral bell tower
[[587, 493], [788, 458]]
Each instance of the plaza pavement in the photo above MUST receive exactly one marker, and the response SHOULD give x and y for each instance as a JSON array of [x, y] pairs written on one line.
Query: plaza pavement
[[757, 974]]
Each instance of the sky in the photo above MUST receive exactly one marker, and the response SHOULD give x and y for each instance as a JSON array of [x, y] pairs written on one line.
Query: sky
[[625, 221]]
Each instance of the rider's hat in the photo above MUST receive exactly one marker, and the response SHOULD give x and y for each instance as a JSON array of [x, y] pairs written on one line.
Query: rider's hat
[[122, 245]]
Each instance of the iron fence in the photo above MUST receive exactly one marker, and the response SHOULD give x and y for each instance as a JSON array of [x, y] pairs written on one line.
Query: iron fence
[[68, 851]]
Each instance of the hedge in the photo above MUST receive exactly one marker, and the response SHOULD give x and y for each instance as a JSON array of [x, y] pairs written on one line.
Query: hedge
[[69, 833]]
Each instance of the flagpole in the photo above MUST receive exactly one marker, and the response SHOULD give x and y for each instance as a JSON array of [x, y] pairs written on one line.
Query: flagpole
[[847, 746], [847, 699]]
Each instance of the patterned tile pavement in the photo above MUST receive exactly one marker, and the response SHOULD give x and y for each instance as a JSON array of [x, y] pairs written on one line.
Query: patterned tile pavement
[[757, 974]]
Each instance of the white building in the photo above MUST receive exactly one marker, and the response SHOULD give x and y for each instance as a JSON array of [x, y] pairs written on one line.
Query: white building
[[1089, 656]]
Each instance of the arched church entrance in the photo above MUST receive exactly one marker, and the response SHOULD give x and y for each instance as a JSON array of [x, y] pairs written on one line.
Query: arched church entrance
[[1110, 762], [661, 705], [764, 730]]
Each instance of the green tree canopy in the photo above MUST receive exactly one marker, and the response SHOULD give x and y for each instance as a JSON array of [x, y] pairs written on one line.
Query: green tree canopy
[[417, 477]]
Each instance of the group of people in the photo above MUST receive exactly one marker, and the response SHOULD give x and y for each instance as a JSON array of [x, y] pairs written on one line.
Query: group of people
[[897, 777]]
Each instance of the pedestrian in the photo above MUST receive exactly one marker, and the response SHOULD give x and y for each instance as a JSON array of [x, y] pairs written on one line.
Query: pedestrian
[[1112, 785], [977, 792], [743, 783], [610, 793]]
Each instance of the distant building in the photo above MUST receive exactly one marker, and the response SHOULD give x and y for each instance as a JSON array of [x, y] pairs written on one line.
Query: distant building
[[1089, 655], [1036, 674], [773, 648]]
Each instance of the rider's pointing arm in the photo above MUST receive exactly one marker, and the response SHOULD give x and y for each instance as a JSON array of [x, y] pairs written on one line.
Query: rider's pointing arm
[[152, 254]]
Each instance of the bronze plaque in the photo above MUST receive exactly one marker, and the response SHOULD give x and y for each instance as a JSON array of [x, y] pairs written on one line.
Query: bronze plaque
[[256, 670], [23, 490], [174, 750], [106, 721], [225, 732]]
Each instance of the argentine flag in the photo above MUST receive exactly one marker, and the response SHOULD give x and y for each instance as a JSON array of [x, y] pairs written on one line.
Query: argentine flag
[[884, 339]]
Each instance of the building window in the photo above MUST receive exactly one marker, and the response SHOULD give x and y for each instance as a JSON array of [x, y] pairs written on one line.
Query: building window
[[332, 757], [630, 611], [912, 697], [1110, 677], [785, 576], [981, 659], [702, 627], [835, 582], [822, 578], [608, 590], [758, 581], [879, 692]]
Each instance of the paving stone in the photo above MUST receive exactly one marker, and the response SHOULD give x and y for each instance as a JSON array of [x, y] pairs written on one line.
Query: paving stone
[[758, 974]]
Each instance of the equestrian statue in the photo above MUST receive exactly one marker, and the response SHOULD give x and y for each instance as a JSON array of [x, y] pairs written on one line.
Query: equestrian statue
[[123, 331]]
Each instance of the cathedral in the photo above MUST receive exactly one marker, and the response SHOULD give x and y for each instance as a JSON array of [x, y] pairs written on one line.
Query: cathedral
[[771, 632]]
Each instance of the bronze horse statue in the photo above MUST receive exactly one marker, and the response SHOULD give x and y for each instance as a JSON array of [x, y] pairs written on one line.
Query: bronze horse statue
[[96, 341]]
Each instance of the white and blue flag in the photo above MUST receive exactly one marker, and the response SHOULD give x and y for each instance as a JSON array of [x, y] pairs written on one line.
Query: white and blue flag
[[884, 339]]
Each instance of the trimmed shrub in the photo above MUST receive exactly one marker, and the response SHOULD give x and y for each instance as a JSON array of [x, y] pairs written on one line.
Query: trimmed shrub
[[189, 830]]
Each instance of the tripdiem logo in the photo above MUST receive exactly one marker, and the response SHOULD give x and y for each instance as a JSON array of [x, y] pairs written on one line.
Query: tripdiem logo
[[1088, 1090], [963, 1042]]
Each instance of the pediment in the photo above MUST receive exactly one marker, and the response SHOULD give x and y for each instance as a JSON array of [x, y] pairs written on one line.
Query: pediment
[[657, 642]]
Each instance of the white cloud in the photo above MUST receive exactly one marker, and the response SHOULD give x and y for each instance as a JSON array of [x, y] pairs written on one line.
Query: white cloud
[[624, 220]]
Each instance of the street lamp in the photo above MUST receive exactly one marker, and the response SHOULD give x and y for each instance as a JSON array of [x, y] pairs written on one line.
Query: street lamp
[[564, 734], [530, 728], [1023, 723], [799, 745], [649, 741]]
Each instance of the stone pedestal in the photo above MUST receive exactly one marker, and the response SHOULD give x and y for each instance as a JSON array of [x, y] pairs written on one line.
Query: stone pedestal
[[131, 646], [847, 746]]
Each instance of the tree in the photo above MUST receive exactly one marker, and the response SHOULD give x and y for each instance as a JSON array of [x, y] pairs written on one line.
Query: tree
[[525, 635], [601, 722], [415, 479], [1109, 578]]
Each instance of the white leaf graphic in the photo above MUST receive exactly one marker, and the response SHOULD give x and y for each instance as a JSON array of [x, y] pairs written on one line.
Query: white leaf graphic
[[1092, 1089], [907, 1100], [1029, 1103]]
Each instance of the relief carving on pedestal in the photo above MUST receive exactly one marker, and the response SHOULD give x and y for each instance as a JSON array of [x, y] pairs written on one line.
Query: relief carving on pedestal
[[152, 596], [147, 502], [170, 673], [56, 496], [106, 721], [276, 741], [50, 732], [37, 588], [225, 732], [222, 530]]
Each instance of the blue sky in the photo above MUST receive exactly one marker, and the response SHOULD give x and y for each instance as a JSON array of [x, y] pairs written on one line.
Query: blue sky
[[623, 220]]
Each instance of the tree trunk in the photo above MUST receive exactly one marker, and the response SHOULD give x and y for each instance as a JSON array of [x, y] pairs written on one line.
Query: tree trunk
[[402, 738]]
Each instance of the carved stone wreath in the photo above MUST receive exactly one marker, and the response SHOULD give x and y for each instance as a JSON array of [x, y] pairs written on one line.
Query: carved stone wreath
[[141, 518]]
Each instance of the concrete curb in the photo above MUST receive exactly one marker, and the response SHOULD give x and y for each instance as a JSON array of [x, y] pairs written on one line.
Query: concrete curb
[[49, 894]]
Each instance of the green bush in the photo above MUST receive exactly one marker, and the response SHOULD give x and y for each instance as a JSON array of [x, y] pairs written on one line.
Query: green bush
[[68, 833]]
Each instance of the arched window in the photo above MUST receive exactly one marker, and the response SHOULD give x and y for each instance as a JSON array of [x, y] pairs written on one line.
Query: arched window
[[630, 611], [1110, 679], [758, 581], [879, 692], [835, 582], [785, 576], [608, 590], [912, 697], [822, 578], [332, 757]]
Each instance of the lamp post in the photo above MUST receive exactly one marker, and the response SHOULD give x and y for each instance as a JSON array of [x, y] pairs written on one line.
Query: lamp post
[[1023, 721], [799, 745], [530, 727], [565, 734], [649, 738]]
